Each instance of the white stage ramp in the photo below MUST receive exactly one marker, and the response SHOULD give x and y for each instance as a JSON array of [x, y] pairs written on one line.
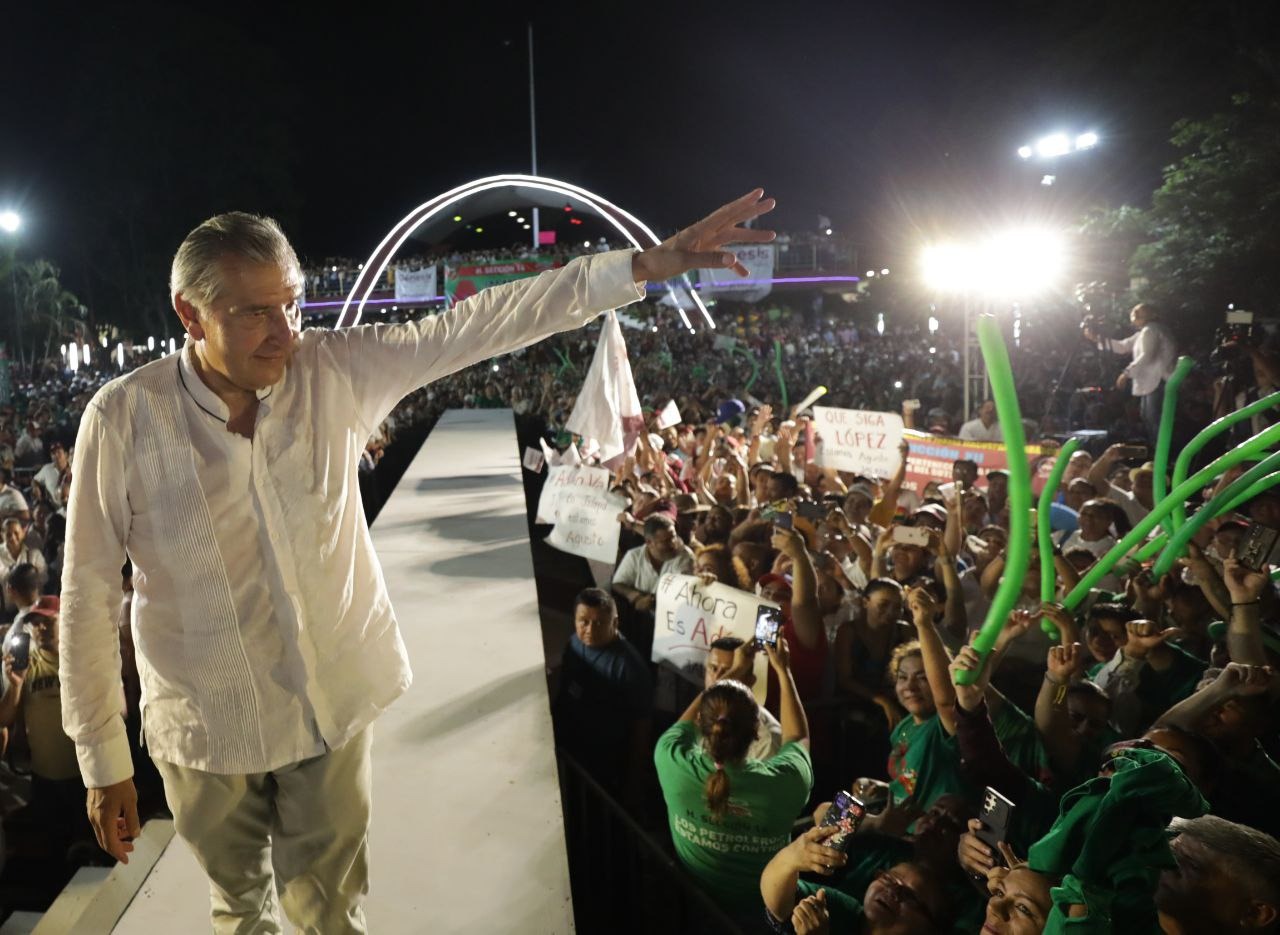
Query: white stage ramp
[[467, 831]]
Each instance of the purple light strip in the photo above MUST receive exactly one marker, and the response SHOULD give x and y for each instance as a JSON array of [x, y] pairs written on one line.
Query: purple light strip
[[652, 287]]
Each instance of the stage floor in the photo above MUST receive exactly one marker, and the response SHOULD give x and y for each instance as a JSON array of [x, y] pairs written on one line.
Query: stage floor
[[467, 832]]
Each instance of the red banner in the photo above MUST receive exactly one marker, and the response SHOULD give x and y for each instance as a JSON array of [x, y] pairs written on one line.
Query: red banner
[[932, 456]]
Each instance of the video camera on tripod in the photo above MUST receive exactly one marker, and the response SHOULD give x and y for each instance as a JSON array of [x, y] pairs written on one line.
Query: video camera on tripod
[[1231, 344]]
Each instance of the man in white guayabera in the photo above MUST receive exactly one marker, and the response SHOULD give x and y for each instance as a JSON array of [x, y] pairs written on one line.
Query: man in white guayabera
[[266, 643]]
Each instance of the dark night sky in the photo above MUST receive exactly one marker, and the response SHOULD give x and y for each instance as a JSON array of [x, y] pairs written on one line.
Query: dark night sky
[[125, 129]]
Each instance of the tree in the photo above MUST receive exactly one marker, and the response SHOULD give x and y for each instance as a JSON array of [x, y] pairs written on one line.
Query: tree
[[1209, 238], [42, 311]]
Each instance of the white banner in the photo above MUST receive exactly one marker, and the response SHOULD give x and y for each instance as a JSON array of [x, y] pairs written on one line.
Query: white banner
[[690, 615], [416, 283], [859, 440], [669, 416], [757, 258], [584, 512]]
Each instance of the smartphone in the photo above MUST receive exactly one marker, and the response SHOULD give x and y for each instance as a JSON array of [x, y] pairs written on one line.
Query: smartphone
[[846, 813], [911, 535], [996, 814], [812, 511], [1133, 452], [768, 623], [19, 647], [783, 520], [1256, 545]]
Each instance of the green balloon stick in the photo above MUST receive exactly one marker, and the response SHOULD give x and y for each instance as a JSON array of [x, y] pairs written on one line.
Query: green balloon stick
[[1018, 554], [1178, 541], [1208, 434], [777, 366], [1164, 439], [1048, 575], [1242, 452]]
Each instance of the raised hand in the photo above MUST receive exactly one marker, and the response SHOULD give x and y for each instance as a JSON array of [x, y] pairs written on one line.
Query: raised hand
[[809, 853], [810, 917], [1244, 583], [699, 246], [1015, 625], [968, 660], [1144, 636], [1064, 663], [1241, 680]]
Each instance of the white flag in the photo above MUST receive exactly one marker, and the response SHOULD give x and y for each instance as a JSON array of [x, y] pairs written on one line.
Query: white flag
[[607, 413], [669, 416]]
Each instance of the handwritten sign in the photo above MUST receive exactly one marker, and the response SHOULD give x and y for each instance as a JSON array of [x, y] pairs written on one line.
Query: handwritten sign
[[859, 440], [691, 615], [577, 499], [669, 416]]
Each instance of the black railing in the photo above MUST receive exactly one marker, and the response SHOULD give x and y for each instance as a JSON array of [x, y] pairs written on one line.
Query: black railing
[[623, 880]]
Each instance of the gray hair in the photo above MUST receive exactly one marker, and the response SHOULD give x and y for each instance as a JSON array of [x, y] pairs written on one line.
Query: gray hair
[[196, 274], [1249, 855]]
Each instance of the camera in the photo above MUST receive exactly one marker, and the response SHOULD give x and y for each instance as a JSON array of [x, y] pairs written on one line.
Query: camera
[[1231, 344]]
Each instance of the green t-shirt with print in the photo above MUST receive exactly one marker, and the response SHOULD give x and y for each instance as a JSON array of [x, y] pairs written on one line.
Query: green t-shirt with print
[[924, 762], [728, 855]]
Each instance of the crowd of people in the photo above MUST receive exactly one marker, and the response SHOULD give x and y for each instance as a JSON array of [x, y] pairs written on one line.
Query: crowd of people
[[1135, 753], [1119, 777]]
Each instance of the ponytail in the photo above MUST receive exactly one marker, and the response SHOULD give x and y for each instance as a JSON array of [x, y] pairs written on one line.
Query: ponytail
[[727, 719]]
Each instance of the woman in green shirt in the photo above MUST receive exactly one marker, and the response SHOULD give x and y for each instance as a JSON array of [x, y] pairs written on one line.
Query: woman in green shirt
[[729, 814], [924, 760]]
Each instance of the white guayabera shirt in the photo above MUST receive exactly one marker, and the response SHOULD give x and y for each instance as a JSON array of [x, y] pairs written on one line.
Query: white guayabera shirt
[[263, 629]]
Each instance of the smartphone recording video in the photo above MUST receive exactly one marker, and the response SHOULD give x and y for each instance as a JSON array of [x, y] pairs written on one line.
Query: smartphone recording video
[[768, 623], [845, 813]]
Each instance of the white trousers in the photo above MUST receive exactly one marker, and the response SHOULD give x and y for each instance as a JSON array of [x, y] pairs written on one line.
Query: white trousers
[[300, 833]]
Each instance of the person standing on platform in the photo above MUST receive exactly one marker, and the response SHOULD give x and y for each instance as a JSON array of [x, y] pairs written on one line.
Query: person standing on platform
[[1154, 357], [266, 642]]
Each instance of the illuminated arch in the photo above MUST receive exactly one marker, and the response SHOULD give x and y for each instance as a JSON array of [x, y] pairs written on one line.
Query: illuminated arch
[[637, 233]]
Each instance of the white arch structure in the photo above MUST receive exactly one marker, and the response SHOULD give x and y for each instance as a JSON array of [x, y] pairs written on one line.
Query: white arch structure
[[637, 233]]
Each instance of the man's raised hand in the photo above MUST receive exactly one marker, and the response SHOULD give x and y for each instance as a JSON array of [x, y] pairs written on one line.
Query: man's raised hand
[[699, 246]]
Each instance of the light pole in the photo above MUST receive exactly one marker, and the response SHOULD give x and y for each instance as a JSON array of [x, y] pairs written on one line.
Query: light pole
[[10, 221]]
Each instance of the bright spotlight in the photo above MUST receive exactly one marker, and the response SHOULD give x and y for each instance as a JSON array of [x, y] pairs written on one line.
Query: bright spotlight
[[897, 384], [527, 227], [880, 323], [871, 274], [495, 368], [1086, 141], [1024, 152], [10, 221], [933, 325], [1056, 144], [519, 220], [511, 214], [828, 232], [884, 272], [1019, 262]]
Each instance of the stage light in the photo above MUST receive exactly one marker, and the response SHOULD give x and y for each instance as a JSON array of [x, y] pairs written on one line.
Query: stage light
[[1086, 141], [73, 358], [519, 220], [457, 217], [528, 227], [1025, 152], [586, 243], [897, 384], [120, 356], [828, 232], [871, 274], [334, 269], [884, 272], [1016, 263], [495, 368], [933, 325], [10, 221], [654, 328], [880, 323], [1047, 180], [479, 230], [151, 342], [511, 214], [933, 350], [1056, 144]]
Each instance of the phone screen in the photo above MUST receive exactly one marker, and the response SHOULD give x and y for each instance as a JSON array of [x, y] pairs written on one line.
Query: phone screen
[[768, 623], [846, 813], [783, 521], [19, 647]]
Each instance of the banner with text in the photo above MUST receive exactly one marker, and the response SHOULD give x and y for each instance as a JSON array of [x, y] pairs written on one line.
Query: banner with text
[[726, 284], [577, 500], [859, 440], [416, 283], [690, 615], [462, 282], [931, 458]]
